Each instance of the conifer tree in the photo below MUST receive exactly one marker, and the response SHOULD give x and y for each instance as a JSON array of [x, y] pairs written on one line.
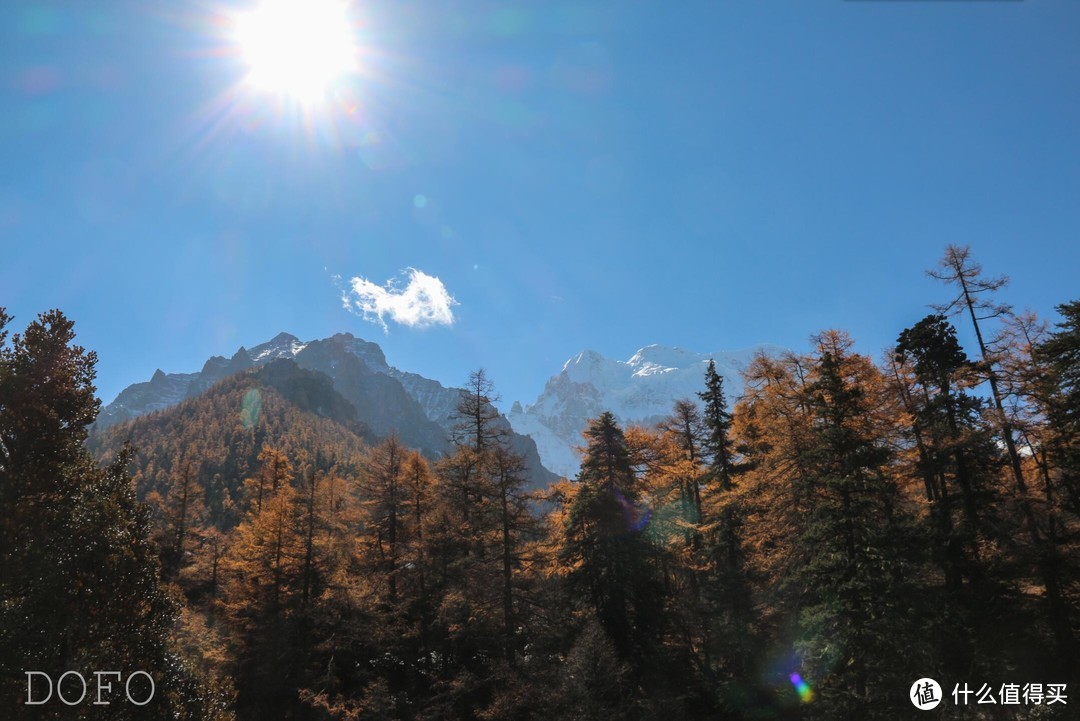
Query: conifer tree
[[477, 420], [975, 296], [773, 427], [475, 526], [385, 498], [275, 469], [730, 596], [960, 462], [1059, 389], [686, 428], [612, 562], [515, 524], [855, 591], [265, 575], [184, 513], [79, 588], [717, 422], [722, 470]]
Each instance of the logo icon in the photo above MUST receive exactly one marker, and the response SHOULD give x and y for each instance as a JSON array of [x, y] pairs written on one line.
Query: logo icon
[[925, 694]]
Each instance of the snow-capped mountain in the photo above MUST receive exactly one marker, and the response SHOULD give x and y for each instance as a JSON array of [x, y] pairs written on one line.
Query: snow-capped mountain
[[387, 400], [641, 390]]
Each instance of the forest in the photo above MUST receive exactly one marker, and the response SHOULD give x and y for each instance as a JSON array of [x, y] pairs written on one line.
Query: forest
[[804, 551]]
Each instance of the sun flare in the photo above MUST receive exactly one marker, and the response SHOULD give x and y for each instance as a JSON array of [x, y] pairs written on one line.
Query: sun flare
[[297, 48]]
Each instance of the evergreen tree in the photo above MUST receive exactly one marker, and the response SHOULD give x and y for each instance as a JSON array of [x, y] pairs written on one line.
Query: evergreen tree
[[717, 421], [1058, 386], [855, 591], [79, 588], [612, 562], [729, 591], [975, 294], [961, 464], [1060, 395]]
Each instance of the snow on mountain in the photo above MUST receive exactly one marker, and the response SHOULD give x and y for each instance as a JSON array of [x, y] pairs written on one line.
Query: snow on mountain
[[168, 389], [283, 345], [419, 409], [640, 390]]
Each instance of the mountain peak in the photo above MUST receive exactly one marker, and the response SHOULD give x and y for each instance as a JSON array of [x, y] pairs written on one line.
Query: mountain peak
[[283, 345], [214, 363], [365, 350], [640, 390], [666, 356], [384, 399], [586, 359]]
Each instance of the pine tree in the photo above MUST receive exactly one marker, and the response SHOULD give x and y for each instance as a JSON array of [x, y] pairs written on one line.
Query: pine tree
[[855, 592], [717, 421], [611, 560], [960, 462], [729, 590], [1059, 389], [387, 518], [275, 469], [975, 295], [184, 513], [79, 588], [263, 591], [1057, 384], [686, 428], [477, 420]]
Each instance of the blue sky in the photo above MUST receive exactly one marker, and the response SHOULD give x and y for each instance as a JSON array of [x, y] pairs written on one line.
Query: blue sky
[[578, 175]]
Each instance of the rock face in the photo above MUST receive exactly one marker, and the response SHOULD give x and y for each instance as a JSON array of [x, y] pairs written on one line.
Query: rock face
[[387, 400], [640, 390]]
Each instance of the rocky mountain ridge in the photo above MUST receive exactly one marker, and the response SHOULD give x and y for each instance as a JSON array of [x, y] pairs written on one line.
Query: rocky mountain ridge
[[639, 390], [419, 410]]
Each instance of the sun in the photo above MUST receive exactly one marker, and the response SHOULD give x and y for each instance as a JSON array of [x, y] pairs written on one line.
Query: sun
[[299, 49]]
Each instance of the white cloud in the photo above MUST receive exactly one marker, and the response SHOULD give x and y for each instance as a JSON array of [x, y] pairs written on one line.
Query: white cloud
[[422, 302]]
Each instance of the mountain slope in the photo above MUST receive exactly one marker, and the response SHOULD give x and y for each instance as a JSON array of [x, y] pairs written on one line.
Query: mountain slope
[[387, 400], [219, 433]]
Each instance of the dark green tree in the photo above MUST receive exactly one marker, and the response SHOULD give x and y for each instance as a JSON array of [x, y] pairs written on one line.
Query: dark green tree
[[612, 562], [1060, 356], [729, 599], [855, 590], [1058, 359], [79, 588], [961, 463]]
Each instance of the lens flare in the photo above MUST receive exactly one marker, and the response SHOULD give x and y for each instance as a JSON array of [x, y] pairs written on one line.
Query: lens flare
[[806, 694], [637, 517], [250, 408]]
